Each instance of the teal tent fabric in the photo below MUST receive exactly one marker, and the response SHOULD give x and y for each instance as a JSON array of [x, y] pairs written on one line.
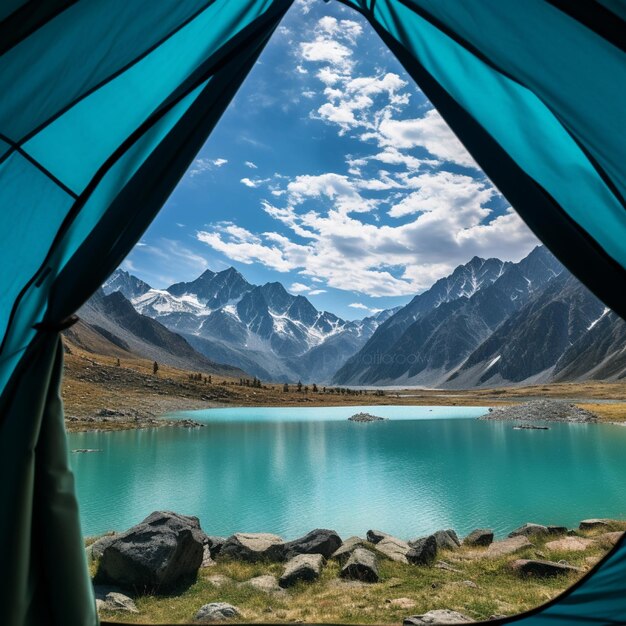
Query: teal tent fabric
[[94, 138], [106, 102]]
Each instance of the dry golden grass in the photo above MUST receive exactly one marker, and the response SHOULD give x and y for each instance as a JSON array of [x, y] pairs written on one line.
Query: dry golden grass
[[93, 382]]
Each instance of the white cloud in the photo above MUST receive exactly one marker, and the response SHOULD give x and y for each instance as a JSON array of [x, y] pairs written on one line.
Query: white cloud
[[201, 165], [429, 131], [363, 307], [398, 219], [251, 165], [253, 184], [299, 288]]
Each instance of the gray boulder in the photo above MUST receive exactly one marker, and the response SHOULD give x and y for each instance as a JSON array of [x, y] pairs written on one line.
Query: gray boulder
[[342, 554], [115, 601], [507, 546], [438, 616], [305, 567], [362, 565], [157, 554], [592, 524], [542, 569], [215, 544], [374, 536], [393, 548], [447, 539], [479, 537], [266, 583], [529, 530], [96, 549], [318, 541], [253, 547], [423, 551], [216, 612]]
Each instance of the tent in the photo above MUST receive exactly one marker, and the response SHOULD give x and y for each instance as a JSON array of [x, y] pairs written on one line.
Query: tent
[[106, 102]]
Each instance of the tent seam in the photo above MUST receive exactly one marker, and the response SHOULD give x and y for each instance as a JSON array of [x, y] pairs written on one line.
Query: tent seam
[[111, 77], [472, 49]]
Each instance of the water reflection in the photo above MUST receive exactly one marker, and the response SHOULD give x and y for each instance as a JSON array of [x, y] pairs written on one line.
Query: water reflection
[[406, 477]]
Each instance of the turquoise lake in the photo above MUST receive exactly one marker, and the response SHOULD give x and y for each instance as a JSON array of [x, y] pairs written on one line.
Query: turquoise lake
[[289, 470]]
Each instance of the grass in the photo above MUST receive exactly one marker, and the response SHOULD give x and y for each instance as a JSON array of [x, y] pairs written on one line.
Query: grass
[[499, 590]]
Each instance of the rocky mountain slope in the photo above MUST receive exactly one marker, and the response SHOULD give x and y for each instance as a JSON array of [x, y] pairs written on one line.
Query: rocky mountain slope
[[110, 325], [262, 329], [529, 322]]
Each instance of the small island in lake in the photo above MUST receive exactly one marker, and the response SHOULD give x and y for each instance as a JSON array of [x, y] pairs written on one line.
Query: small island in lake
[[366, 417]]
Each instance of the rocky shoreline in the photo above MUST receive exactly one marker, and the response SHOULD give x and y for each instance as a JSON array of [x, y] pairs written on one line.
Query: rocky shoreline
[[165, 553], [366, 418], [542, 411], [115, 419]]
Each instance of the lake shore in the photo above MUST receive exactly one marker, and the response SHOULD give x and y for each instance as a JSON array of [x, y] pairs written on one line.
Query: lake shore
[[318, 578], [100, 395]]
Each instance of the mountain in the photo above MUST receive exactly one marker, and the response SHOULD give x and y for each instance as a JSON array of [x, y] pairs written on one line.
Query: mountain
[[262, 329], [564, 333], [130, 286], [439, 328], [529, 322], [109, 324]]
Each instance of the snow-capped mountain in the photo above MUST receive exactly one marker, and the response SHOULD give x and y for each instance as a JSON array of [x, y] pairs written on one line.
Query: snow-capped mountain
[[128, 285], [492, 323], [262, 329]]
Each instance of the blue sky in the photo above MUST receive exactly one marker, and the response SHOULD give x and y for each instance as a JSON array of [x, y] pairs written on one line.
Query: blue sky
[[331, 173]]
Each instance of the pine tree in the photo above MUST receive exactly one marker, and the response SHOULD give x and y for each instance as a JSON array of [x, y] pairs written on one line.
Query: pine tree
[[155, 368]]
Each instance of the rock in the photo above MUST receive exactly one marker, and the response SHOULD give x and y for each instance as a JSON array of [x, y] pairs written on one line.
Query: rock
[[507, 546], [306, 567], [438, 616], [423, 551], [610, 538], [216, 612], [543, 411], [207, 561], [374, 536], [446, 540], [219, 580], [542, 569], [157, 554], [366, 417], [470, 583], [96, 549], [557, 530], [215, 544], [267, 584], [318, 541], [570, 544], [362, 565], [592, 524], [119, 602], [342, 554], [253, 547], [529, 530], [394, 549], [479, 537]]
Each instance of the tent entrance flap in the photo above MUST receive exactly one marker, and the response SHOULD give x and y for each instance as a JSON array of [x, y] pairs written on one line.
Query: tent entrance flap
[[104, 106]]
